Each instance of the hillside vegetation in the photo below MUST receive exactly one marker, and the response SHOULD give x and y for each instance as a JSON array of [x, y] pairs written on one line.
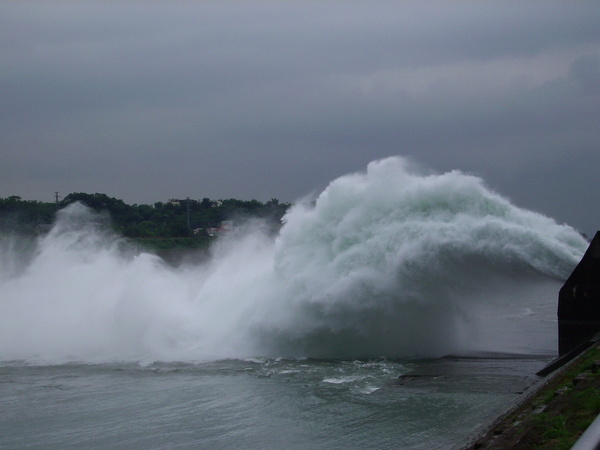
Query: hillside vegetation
[[162, 220]]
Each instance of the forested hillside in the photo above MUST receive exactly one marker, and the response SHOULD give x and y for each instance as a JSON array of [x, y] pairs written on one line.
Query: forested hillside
[[171, 219]]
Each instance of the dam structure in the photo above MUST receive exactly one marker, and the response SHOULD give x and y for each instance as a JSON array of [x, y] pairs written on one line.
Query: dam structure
[[579, 300]]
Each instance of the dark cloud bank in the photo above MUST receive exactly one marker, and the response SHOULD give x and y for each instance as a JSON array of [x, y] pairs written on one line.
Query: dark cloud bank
[[151, 100]]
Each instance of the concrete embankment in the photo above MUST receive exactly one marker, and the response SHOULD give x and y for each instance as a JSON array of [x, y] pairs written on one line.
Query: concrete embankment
[[558, 409], [552, 413]]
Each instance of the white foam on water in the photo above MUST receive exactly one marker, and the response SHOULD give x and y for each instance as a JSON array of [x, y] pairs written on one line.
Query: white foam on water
[[386, 262], [342, 380]]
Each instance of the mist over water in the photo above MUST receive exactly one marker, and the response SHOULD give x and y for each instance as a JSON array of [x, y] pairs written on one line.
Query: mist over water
[[388, 262]]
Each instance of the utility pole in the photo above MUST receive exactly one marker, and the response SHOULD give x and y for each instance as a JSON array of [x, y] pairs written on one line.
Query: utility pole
[[56, 199], [188, 213]]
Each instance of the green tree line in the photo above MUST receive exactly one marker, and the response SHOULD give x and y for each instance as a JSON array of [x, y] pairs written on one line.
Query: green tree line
[[172, 219]]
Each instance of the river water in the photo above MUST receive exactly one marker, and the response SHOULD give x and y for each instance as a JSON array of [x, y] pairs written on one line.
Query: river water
[[261, 403], [253, 404]]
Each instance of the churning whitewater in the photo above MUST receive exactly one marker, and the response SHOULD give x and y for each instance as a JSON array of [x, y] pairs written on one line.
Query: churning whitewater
[[389, 262]]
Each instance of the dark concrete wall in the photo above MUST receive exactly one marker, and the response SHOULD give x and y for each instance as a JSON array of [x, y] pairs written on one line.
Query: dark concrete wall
[[579, 300]]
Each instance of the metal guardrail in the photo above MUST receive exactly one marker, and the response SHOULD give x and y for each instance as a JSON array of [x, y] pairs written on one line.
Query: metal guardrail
[[590, 439]]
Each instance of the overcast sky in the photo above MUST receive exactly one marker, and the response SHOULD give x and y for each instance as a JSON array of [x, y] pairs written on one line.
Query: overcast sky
[[147, 101]]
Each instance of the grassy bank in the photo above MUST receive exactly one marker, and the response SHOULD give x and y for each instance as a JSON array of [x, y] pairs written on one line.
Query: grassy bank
[[557, 415]]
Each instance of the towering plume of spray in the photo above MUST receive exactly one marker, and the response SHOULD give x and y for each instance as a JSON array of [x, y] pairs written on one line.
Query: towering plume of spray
[[383, 263]]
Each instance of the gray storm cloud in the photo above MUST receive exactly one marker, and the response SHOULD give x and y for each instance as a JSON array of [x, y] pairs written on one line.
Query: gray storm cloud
[[261, 99]]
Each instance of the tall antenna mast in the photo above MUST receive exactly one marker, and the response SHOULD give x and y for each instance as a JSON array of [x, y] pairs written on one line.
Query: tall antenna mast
[[188, 213]]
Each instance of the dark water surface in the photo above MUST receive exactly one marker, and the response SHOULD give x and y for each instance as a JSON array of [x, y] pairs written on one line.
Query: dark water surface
[[256, 403]]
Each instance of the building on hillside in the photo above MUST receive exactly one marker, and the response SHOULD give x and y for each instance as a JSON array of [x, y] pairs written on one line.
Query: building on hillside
[[225, 227], [42, 228]]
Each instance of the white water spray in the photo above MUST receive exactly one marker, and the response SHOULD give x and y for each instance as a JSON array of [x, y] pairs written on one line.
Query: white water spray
[[384, 263]]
